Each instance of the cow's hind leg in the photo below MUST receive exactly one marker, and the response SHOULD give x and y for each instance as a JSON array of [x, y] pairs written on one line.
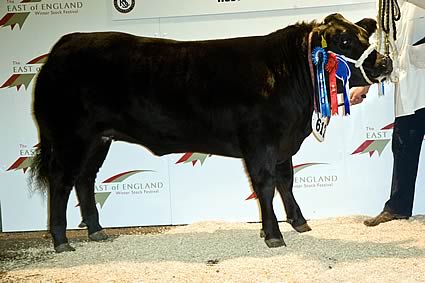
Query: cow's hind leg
[[60, 187], [84, 186], [284, 184], [67, 157], [261, 168]]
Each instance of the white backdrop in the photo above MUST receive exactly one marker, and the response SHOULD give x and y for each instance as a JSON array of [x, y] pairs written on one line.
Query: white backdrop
[[136, 188]]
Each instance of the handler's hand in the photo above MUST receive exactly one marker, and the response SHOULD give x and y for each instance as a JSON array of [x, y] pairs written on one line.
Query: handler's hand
[[358, 93]]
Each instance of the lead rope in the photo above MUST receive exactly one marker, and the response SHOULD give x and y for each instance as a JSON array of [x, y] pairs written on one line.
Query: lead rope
[[386, 35]]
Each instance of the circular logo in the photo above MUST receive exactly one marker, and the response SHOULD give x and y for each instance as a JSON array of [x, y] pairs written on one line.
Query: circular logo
[[124, 6]]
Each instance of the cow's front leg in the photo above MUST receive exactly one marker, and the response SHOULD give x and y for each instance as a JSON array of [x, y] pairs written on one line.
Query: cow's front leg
[[261, 168], [284, 184]]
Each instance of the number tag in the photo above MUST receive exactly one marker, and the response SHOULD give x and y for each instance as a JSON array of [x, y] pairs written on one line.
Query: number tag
[[319, 124]]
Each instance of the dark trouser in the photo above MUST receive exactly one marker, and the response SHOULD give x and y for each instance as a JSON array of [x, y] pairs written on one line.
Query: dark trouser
[[407, 140]]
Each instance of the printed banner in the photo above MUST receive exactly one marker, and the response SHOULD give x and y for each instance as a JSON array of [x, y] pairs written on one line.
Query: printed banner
[[132, 9]]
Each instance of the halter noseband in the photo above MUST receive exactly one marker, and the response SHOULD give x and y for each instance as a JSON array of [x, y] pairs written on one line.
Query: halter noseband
[[359, 62]]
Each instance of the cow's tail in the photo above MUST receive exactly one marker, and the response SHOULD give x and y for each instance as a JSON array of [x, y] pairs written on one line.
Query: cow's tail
[[40, 166]]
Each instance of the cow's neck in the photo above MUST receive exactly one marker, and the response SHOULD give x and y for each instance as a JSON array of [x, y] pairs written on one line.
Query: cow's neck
[[288, 51], [290, 40]]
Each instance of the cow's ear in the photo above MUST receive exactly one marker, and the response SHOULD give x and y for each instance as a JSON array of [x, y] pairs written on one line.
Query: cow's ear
[[368, 24], [333, 17]]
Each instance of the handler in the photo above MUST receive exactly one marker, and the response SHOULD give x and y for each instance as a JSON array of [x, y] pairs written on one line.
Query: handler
[[409, 123]]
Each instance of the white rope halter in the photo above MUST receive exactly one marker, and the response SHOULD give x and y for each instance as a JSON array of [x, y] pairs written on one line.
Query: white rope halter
[[359, 62]]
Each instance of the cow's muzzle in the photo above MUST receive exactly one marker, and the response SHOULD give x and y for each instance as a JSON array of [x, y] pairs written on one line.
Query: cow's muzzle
[[383, 67]]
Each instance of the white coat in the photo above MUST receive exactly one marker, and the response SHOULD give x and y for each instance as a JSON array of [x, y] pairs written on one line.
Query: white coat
[[410, 91]]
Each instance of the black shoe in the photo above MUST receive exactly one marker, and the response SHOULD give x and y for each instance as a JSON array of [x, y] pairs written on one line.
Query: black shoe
[[382, 217], [82, 225]]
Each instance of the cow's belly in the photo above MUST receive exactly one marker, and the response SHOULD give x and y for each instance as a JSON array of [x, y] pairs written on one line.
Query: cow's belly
[[164, 132], [161, 141]]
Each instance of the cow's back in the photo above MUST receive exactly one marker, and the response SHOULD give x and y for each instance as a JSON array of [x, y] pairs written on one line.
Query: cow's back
[[132, 63], [164, 86]]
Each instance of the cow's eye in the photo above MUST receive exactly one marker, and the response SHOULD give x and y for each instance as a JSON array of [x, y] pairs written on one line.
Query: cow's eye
[[345, 43]]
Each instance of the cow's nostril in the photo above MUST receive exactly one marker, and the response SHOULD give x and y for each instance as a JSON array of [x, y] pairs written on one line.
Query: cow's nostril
[[384, 67], [387, 65]]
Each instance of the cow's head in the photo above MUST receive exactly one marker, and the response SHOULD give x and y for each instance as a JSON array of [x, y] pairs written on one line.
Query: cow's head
[[352, 41]]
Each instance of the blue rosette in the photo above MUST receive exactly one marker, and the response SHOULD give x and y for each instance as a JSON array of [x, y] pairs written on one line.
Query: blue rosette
[[319, 59]]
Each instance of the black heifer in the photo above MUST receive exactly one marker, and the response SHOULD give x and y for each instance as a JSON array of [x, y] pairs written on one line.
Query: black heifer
[[249, 98]]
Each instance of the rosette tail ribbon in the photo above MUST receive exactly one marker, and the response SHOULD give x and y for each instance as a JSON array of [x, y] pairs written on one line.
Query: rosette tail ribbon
[[343, 73]]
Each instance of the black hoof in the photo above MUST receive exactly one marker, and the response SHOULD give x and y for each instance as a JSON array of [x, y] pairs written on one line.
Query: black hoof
[[302, 228], [275, 243], [64, 248], [98, 236]]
